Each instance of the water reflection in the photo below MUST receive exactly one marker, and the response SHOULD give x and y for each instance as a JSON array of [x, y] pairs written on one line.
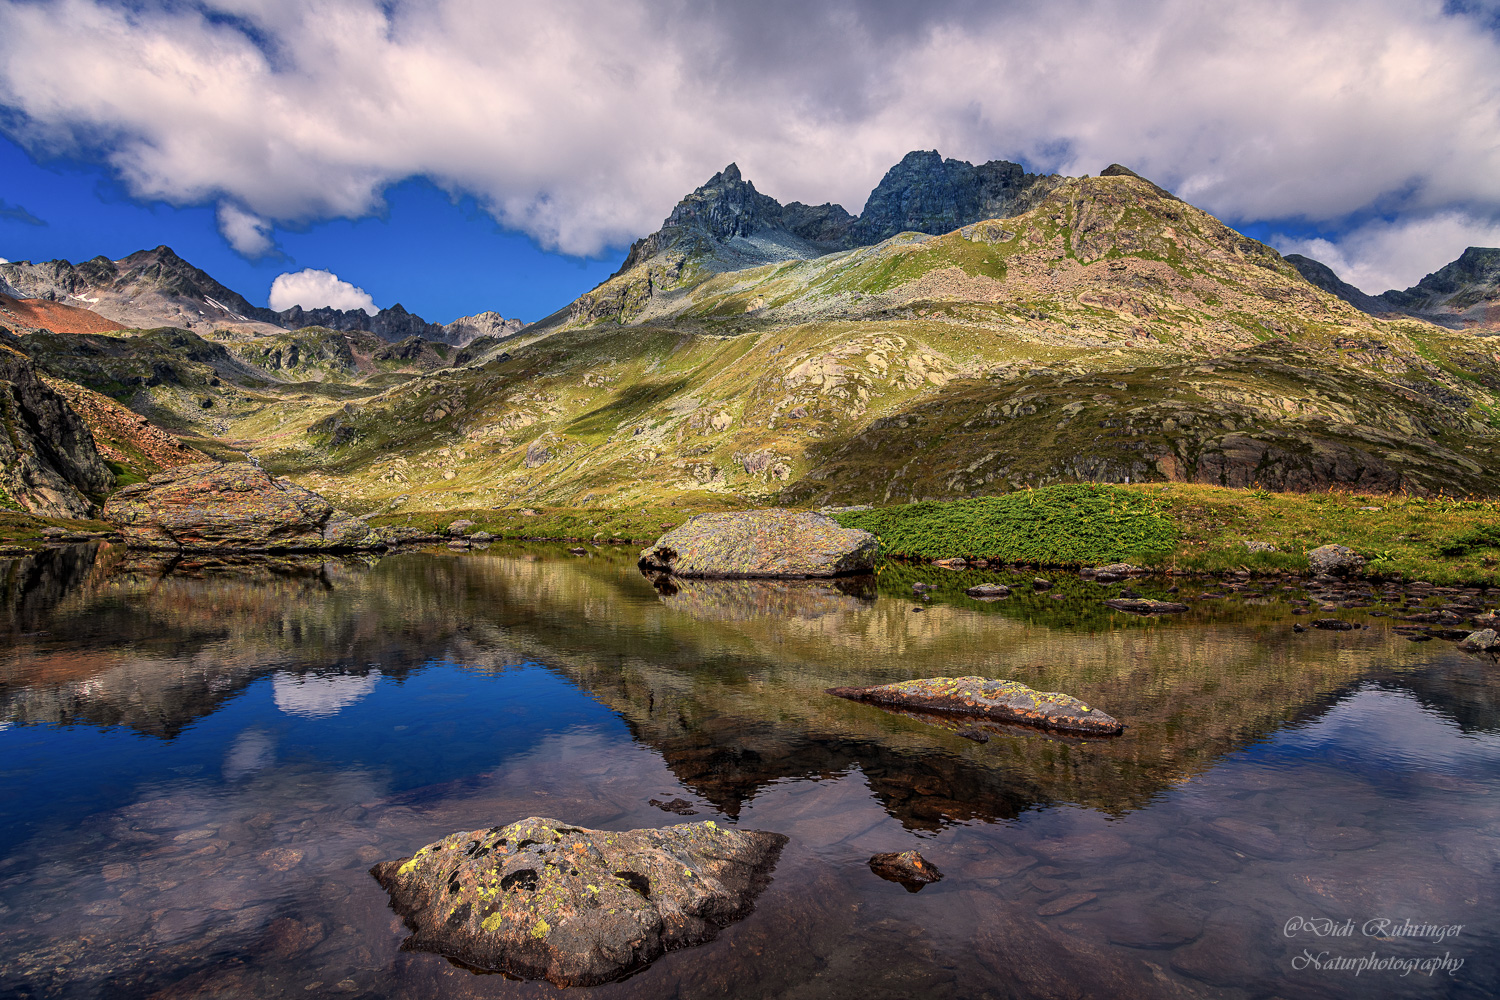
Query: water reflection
[[211, 754]]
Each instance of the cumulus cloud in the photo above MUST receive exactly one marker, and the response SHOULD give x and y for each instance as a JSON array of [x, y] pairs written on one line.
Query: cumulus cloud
[[248, 234], [581, 122], [312, 289], [1386, 254]]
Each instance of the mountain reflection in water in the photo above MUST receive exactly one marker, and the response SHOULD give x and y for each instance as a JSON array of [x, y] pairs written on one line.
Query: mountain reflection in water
[[272, 727]]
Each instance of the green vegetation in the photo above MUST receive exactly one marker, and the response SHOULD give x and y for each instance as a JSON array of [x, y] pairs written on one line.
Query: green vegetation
[[19, 530], [1053, 526]]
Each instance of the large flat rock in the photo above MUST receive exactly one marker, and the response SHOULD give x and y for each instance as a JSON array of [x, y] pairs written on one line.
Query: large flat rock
[[986, 698], [762, 543], [541, 899], [235, 506]]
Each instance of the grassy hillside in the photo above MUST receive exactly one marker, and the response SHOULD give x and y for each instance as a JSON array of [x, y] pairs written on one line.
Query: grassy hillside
[[1113, 334]]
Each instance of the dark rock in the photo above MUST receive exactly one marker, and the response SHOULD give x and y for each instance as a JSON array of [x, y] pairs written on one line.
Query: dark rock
[[908, 867], [1334, 560], [1039, 583], [48, 461], [1145, 606], [989, 591], [1298, 627], [973, 733], [540, 899], [1004, 701], [207, 506], [762, 543], [1333, 624], [681, 807]]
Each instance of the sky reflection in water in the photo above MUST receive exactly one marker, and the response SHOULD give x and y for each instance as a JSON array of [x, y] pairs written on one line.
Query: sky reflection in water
[[200, 767]]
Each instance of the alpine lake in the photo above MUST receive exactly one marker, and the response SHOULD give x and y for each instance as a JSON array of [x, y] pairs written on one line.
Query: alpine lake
[[200, 760]]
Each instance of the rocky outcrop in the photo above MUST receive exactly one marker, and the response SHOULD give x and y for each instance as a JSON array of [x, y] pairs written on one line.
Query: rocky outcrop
[[394, 324], [467, 329], [540, 899], [1334, 560], [237, 506], [762, 543], [49, 463], [985, 698], [925, 193], [1323, 276], [1482, 641]]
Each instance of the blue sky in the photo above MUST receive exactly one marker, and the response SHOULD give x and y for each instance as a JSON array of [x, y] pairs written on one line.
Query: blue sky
[[258, 137], [438, 257]]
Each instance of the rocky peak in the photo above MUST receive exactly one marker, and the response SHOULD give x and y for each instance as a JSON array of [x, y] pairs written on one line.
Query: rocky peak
[[925, 193], [727, 224], [1464, 294]]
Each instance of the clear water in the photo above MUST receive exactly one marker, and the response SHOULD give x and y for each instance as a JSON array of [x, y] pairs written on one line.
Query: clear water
[[200, 762]]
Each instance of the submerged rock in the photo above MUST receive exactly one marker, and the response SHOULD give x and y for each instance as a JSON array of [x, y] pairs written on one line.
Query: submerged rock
[[908, 867], [1333, 624], [1334, 560], [1004, 701], [541, 899], [1145, 606], [208, 507], [762, 543]]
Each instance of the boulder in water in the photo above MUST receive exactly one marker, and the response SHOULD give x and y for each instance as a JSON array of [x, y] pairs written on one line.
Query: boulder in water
[[1003, 701], [1145, 606], [762, 543], [207, 506], [541, 899]]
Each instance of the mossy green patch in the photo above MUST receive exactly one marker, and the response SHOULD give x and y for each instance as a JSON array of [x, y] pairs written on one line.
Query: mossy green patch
[[1067, 525]]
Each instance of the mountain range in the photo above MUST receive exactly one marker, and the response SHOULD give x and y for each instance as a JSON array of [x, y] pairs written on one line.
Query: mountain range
[[155, 288], [975, 329]]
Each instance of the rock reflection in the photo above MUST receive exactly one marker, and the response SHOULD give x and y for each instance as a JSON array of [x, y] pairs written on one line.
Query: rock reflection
[[748, 600]]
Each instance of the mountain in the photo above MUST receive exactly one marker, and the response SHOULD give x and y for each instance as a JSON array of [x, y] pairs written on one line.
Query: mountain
[[1103, 330], [1109, 332], [157, 288], [1463, 295], [726, 224]]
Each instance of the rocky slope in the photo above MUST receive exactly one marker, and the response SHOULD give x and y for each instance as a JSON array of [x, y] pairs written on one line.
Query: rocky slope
[[48, 462], [1462, 295]]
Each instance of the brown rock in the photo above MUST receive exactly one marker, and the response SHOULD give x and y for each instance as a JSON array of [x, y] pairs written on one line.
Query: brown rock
[[762, 543], [908, 867], [1145, 606], [208, 506], [1004, 701]]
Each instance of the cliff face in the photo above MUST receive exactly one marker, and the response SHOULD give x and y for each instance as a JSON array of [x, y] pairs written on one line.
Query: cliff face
[[925, 193], [48, 462]]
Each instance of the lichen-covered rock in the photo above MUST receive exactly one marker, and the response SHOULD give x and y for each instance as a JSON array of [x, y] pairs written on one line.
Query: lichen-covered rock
[[1334, 560], [541, 899], [1004, 701], [1145, 606], [211, 507], [1481, 641], [762, 543], [907, 867]]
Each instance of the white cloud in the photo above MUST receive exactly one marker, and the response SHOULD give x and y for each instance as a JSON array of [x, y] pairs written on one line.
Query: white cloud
[[581, 122], [312, 289], [248, 234], [1383, 254]]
